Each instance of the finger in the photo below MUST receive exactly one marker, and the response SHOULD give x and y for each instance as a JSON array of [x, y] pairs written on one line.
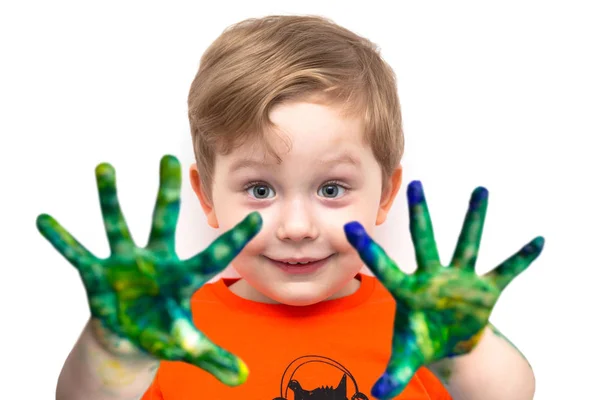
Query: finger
[[421, 228], [63, 241], [70, 248], [180, 340], [374, 257], [223, 365], [225, 248], [504, 273], [166, 210], [403, 365], [202, 352], [119, 237], [465, 254], [412, 347]]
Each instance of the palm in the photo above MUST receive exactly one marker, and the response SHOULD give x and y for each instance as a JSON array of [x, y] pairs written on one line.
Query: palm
[[441, 311], [142, 295], [453, 304]]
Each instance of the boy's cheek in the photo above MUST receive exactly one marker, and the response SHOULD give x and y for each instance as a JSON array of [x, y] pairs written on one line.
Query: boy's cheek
[[333, 226]]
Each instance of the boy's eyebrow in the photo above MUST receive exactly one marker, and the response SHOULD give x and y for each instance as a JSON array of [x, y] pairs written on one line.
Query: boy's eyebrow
[[247, 163], [342, 158]]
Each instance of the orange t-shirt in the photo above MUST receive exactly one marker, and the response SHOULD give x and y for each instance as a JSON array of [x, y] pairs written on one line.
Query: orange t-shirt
[[337, 347]]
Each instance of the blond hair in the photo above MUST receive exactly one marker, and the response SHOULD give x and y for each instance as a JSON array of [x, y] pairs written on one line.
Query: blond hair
[[259, 63]]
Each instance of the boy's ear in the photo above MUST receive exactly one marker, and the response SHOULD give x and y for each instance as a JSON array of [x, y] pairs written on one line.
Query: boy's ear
[[388, 196], [209, 211]]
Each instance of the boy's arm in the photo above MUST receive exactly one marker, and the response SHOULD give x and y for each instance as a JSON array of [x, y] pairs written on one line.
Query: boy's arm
[[94, 373], [494, 369]]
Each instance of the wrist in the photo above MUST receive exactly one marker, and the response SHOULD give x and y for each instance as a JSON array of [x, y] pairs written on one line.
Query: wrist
[[91, 371], [109, 342], [115, 364], [492, 370], [445, 368]]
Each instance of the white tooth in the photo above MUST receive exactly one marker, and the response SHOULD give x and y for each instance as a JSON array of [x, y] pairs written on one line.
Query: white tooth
[[306, 262], [293, 263]]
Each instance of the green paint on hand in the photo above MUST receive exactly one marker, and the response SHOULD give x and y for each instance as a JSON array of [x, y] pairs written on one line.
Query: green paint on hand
[[142, 295], [441, 311]]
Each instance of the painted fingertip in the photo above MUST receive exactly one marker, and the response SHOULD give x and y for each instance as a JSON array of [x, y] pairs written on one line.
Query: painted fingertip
[[104, 169], [43, 221], [479, 195], [356, 234], [169, 161], [254, 220], [169, 158], [243, 372], [170, 170], [415, 193], [227, 367], [383, 387], [534, 247]]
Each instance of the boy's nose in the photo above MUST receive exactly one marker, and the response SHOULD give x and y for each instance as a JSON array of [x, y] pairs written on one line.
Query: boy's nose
[[297, 223]]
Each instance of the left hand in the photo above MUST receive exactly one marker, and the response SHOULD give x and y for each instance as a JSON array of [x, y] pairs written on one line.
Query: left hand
[[139, 297], [440, 311]]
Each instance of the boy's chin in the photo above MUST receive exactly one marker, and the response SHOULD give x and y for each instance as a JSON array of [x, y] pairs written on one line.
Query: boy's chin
[[302, 294], [299, 299]]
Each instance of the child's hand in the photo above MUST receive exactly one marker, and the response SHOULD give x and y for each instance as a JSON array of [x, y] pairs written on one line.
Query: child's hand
[[441, 311], [141, 296]]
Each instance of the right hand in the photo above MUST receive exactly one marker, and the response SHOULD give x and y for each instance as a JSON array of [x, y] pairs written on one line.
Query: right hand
[[141, 296]]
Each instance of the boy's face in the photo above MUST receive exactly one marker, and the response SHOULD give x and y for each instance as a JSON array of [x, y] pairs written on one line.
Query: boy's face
[[327, 179]]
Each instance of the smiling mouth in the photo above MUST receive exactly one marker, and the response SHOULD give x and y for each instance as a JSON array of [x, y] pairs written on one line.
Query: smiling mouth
[[301, 261], [300, 267]]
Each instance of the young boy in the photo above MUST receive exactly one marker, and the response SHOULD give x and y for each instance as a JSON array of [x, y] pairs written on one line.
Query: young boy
[[297, 133]]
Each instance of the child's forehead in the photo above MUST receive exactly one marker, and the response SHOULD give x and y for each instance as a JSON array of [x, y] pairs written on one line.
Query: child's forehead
[[276, 149], [305, 133], [281, 142]]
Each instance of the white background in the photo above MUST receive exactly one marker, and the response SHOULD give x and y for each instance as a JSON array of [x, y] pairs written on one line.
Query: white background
[[506, 96]]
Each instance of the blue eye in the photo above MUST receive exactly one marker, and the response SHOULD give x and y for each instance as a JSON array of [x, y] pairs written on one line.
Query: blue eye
[[331, 190], [259, 191]]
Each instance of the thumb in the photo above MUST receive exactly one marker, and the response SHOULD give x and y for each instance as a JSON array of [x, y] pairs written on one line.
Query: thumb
[[405, 360], [223, 365], [398, 374], [200, 351]]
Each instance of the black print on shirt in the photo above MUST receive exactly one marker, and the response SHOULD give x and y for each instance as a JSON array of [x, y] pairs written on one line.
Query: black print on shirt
[[290, 385]]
